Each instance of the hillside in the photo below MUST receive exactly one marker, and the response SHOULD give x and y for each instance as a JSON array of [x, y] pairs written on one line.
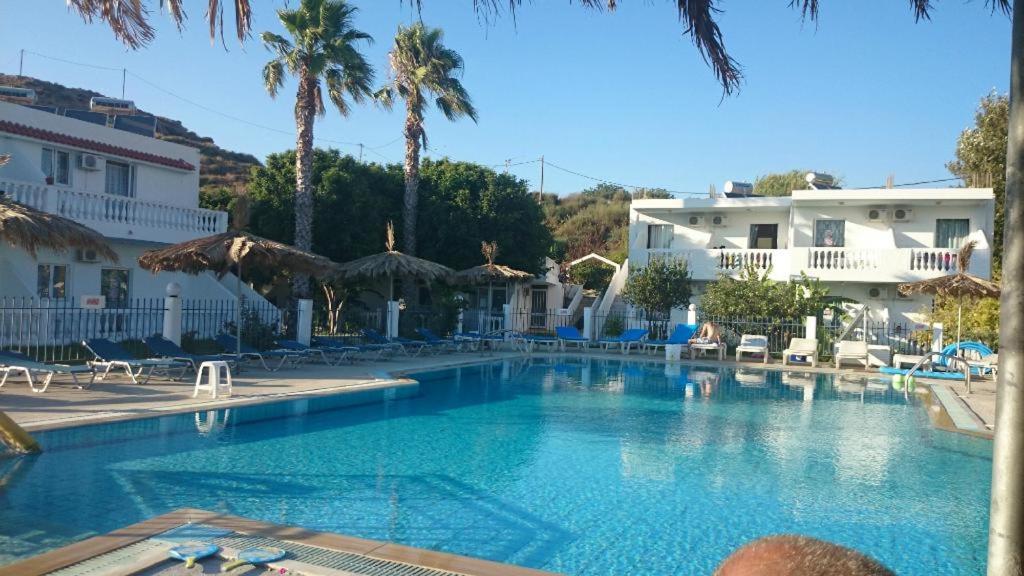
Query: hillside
[[218, 167]]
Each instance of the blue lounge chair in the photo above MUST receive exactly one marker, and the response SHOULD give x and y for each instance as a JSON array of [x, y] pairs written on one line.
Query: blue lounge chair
[[14, 362], [329, 343], [625, 341], [477, 340], [680, 336], [431, 337], [530, 341], [109, 355], [230, 344], [404, 345], [165, 348], [323, 352], [570, 335]]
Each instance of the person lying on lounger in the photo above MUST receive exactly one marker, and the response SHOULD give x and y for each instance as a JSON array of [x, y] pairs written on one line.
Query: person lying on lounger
[[709, 333]]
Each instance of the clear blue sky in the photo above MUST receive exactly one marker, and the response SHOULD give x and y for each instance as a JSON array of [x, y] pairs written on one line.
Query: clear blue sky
[[621, 96]]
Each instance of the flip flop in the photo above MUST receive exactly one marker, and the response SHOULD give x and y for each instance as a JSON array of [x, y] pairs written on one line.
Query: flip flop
[[255, 555], [193, 551]]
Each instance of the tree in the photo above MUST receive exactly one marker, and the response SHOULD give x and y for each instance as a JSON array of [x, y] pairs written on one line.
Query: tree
[[657, 288], [422, 67], [754, 295], [324, 47], [980, 324], [129, 20], [981, 159]]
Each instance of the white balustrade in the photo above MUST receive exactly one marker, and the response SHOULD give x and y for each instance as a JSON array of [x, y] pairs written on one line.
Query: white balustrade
[[842, 259], [741, 259], [933, 260], [132, 214]]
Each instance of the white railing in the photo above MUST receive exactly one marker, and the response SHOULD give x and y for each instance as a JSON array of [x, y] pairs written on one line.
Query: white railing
[[842, 259], [119, 216], [740, 259], [615, 286], [933, 260]]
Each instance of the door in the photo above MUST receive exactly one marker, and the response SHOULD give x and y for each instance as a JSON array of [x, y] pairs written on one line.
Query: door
[[538, 307]]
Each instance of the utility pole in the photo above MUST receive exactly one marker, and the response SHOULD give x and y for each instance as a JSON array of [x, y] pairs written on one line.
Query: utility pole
[[21, 62], [508, 162], [124, 77], [360, 151], [541, 176]]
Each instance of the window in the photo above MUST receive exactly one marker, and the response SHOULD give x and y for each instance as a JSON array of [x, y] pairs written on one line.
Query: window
[[951, 232], [114, 285], [51, 280], [829, 233], [498, 299], [764, 236], [56, 165], [659, 236], [120, 179]]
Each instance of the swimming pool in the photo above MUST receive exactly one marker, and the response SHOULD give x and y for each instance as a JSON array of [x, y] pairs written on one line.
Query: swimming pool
[[581, 466]]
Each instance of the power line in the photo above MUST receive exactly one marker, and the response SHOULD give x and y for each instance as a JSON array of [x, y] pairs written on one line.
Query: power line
[[619, 184], [96, 66], [936, 181]]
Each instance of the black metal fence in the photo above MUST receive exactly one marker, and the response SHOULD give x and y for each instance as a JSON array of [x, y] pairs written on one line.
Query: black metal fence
[[347, 321], [900, 337], [539, 322], [779, 331]]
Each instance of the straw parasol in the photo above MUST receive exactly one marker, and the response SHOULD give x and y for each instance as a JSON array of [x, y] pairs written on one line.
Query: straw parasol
[[238, 249], [490, 272], [31, 229], [391, 263], [956, 285]]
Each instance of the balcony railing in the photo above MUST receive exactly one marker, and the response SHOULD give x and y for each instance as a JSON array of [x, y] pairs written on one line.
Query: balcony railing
[[119, 216], [740, 259], [842, 259]]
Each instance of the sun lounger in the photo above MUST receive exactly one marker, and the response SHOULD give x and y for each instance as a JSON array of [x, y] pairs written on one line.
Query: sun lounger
[[570, 335], [230, 344], [680, 336], [852, 350], [407, 347], [805, 347], [15, 362], [449, 344], [354, 350], [624, 341], [163, 347], [528, 341], [719, 348], [753, 344], [478, 340], [109, 355], [322, 351]]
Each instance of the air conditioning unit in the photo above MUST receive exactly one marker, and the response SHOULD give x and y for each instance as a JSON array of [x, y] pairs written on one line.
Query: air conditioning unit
[[718, 220], [91, 162], [902, 215], [878, 215], [878, 293], [695, 221], [87, 256], [111, 105]]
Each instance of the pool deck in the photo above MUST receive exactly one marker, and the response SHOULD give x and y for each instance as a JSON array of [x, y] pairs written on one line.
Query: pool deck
[[385, 557], [118, 399]]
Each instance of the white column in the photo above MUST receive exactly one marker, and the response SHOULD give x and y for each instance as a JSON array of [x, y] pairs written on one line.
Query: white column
[[937, 337], [172, 313], [458, 323], [506, 312], [392, 321], [304, 328], [588, 323], [691, 315], [811, 327]]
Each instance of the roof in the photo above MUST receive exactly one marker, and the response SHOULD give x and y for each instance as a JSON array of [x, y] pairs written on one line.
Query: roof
[[102, 147]]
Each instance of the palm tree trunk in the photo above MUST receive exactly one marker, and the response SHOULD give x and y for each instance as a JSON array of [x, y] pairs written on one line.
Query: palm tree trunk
[[413, 136], [305, 110], [1006, 523]]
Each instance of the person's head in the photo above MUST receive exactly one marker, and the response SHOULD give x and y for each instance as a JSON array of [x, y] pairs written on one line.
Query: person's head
[[791, 555]]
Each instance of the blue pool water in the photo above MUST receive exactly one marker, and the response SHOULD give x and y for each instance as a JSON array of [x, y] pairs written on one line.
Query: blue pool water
[[577, 466]]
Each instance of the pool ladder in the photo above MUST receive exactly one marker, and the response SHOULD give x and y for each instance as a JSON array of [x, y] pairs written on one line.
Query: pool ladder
[[954, 360]]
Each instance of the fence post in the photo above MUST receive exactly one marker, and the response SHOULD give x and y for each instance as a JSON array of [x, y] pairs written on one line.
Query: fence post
[[506, 317], [937, 337], [691, 314], [458, 323], [172, 313], [391, 326], [304, 326], [588, 323], [811, 327]]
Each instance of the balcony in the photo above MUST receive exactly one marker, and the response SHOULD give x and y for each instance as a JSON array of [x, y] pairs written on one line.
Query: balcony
[[119, 216], [828, 264]]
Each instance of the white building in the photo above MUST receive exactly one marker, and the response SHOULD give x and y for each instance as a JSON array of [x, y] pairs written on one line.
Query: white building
[[138, 191], [859, 243]]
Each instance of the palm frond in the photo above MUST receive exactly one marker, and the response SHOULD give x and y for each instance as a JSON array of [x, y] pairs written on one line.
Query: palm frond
[[273, 77], [385, 97], [963, 258], [127, 19]]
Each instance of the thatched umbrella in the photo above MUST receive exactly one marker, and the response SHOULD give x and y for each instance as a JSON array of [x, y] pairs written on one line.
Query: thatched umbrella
[[955, 286], [391, 264], [238, 249], [490, 272], [31, 229]]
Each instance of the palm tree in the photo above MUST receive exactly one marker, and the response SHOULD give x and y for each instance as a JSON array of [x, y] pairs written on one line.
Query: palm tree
[[129, 19], [422, 67], [322, 47]]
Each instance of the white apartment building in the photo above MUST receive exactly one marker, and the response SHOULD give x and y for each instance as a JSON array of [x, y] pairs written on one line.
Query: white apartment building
[[858, 243], [138, 191]]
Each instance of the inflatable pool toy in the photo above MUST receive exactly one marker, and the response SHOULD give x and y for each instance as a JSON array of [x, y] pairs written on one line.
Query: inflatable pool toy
[[191, 552], [922, 373], [255, 555]]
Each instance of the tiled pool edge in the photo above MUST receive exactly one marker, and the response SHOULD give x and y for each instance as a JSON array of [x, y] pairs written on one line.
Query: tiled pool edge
[[959, 415], [81, 551]]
